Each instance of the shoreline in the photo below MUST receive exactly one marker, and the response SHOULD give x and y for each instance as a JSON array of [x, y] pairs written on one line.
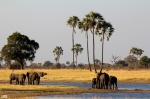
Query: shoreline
[[59, 90]]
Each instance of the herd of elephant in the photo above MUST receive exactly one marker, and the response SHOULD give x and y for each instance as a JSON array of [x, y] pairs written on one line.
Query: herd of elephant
[[31, 76], [104, 81]]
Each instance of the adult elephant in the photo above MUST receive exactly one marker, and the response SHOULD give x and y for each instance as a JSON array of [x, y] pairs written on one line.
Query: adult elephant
[[21, 79], [112, 82], [32, 76], [13, 77], [40, 74], [102, 80]]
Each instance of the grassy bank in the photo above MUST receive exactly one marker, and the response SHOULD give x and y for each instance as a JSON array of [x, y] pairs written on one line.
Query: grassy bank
[[69, 75]]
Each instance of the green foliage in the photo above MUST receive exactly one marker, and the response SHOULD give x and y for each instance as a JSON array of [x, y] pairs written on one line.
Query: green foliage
[[47, 64], [77, 48], [144, 61], [57, 52], [121, 62], [73, 21], [136, 51], [19, 48]]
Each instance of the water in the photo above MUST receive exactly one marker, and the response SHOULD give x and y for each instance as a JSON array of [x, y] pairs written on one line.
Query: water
[[100, 96], [87, 85], [125, 95]]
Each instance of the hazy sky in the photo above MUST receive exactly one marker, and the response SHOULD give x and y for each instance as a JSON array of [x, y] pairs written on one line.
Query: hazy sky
[[45, 22]]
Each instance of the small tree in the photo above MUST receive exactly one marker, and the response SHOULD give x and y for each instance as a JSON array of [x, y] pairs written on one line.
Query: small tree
[[145, 61], [68, 63], [19, 48], [131, 60], [136, 51], [115, 59], [47, 64], [77, 48], [57, 52]]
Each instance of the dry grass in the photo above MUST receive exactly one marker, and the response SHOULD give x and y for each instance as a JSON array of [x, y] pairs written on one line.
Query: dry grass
[[78, 75], [67, 75]]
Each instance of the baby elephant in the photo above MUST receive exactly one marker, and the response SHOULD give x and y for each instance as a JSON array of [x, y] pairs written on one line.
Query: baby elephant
[[94, 83], [112, 81]]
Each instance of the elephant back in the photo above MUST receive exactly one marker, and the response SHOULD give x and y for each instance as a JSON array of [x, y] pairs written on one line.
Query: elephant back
[[113, 79], [33, 75], [13, 76]]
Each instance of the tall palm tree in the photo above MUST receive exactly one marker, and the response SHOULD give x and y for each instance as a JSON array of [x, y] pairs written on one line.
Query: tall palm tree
[[72, 22], [57, 52], [84, 26], [136, 51], [104, 29], [77, 48], [94, 18]]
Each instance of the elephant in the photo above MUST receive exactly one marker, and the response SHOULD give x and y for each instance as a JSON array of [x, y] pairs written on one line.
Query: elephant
[[32, 76], [102, 80], [40, 74], [21, 79], [112, 81], [94, 83], [14, 77]]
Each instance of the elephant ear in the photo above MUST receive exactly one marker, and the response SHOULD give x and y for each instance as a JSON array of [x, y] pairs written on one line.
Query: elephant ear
[[42, 74]]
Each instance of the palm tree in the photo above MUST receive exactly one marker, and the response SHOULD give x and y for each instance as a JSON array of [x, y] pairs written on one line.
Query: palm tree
[[136, 51], [57, 52], [77, 48], [72, 22], [94, 18], [84, 26], [104, 29]]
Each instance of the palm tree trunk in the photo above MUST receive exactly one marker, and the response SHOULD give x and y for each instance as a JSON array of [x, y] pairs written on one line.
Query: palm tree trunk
[[102, 51], [76, 61], [94, 52], [73, 45], [88, 52]]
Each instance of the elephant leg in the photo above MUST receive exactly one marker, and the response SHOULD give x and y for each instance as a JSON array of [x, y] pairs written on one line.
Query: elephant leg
[[110, 86], [97, 83], [116, 86], [33, 82], [17, 82], [92, 85], [113, 85], [10, 81], [106, 85]]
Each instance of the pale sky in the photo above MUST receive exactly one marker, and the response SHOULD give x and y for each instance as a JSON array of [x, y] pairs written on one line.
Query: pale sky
[[45, 22]]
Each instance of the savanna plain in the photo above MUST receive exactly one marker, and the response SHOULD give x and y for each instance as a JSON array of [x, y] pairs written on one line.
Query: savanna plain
[[141, 76]]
